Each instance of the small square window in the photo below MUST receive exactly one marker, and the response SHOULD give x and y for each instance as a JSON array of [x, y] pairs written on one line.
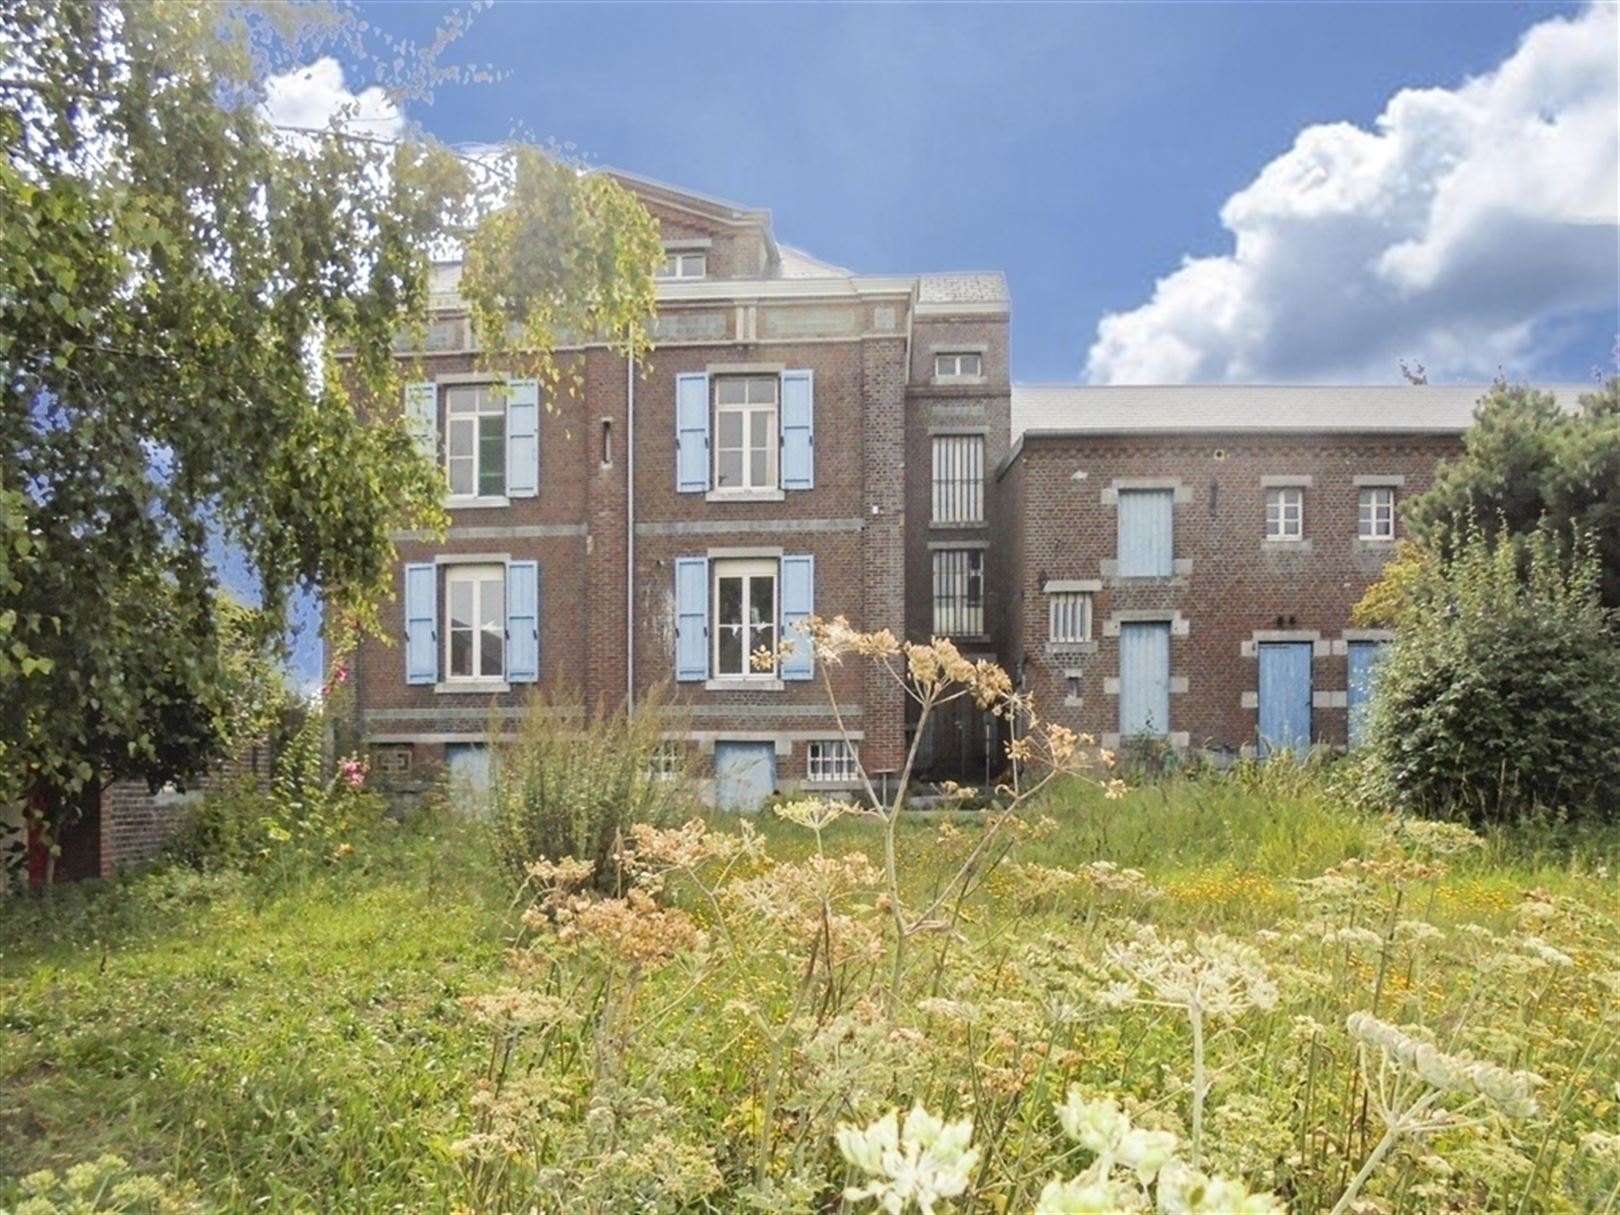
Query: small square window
[[1378, 513], [667, 761], [958, 365], [830, 759], [1285, 513], [1070, 617]]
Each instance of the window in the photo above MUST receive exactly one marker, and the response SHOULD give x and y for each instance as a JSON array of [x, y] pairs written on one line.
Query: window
[[958, 365], [1285, 514], [830, 759], [667, 761], [475, 445], [958, 591], [744, 617], [746, 440], [475, 642], [684, 264], [1147, 520], [959, 479], [1070, 617], [1378, 513]]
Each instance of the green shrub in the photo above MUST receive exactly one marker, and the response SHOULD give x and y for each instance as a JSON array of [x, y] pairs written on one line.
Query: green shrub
[[1501, 694], [572, 781], [104, 1185]]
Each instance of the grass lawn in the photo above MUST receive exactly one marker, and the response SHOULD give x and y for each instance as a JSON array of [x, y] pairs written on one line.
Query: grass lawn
[[301, 1043]]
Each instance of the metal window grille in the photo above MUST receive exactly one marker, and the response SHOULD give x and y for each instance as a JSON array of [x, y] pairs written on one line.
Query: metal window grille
[[958, 591], [959, 479], [1070, 617], [1285, 514], [830, 759], [1378, 514]]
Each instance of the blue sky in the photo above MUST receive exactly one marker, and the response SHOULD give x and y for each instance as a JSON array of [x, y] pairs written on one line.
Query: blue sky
[[1084, 150]]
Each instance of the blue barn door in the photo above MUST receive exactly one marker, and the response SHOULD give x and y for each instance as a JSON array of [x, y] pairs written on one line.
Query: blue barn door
[[1365, 657], [744, 774], [1285, 696], [469, 776], [1144, 679]]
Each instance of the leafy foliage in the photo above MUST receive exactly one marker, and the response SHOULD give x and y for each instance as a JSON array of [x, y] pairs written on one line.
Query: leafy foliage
[[1501, 693], [198, 317], [1527, 463]]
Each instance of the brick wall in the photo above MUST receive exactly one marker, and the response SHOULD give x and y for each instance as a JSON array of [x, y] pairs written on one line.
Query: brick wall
[[1231, 586]]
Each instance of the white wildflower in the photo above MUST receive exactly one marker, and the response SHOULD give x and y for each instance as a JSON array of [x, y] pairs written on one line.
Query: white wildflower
[[925, 1160]]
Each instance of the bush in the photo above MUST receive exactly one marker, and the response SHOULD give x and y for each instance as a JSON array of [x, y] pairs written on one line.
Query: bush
[[572, 782], [1501, 694]]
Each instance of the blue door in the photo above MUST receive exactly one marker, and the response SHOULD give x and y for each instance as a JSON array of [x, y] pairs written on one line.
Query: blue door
[[1365, 657], [469, 776], [744, 774], [1144, 679], [1285, 696]]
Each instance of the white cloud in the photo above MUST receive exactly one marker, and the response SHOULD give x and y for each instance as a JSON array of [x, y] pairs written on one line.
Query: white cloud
[[311, 96], [1460, 231]]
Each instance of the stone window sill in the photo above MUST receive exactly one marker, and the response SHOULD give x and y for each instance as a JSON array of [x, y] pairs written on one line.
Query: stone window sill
[[738, 683], [473, 687], [745, 495], [476, 503], [1284, 544]]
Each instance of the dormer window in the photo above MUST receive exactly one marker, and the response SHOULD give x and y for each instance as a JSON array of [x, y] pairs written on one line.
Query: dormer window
[[685, 264], [958, 365]]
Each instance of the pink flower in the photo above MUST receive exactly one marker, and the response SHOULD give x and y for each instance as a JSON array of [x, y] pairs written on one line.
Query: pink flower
[[354, 771]]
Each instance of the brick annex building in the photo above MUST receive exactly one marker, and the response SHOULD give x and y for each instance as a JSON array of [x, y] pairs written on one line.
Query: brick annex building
[[1176, 562]]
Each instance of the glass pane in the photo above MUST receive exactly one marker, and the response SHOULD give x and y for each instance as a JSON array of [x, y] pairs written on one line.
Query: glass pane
[[461, 475], [728, 426], [731, 391], [461, 437], [461, 652], [461, 604], [731, 662], [759, 468], [492, 456], [729, 608], [762, 390], [491, 652], [970, 364], [492, 603], [466, 399], [728, 469], [761, 422], [761, 600]]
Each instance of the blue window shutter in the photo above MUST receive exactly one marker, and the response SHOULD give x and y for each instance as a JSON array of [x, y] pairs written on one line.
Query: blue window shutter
[[522, 621], [691, 618], [798, 601], [422, 417], [1146, 533], [421, 623], [798, 429], [523, 438], [692, 433]]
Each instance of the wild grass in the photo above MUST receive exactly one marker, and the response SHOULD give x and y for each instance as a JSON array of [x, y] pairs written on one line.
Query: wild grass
[[303, 1042]]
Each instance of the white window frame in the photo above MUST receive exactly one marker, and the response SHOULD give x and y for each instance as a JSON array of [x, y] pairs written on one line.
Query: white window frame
[[489, 407], [685, 264], [1285, 512], [958, 479], [748, 410], [1376, 513], [954, 365], [1065, 610], [749, 570], [477, 576], [958, 615], [829, 761]]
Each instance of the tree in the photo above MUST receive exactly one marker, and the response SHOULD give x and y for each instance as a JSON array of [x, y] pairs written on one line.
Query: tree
[[195, 310], [1501, 692], [1527, 463]]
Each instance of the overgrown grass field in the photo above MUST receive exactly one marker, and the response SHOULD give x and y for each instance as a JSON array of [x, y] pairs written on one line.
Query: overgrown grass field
[[380, 1032]]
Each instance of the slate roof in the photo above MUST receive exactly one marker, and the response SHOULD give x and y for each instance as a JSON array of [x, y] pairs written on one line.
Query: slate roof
[[1206, 408], [972, 287]]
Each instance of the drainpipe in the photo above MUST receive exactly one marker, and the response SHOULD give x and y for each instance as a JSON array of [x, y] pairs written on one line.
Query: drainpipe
[[629, 530]]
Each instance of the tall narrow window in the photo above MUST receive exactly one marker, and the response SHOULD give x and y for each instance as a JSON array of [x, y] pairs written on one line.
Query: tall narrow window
[[1285, 513], [959, 479], [475, 445], [475, 642], [746, 438], [1378, 513], [744, 617], [958, 591]]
